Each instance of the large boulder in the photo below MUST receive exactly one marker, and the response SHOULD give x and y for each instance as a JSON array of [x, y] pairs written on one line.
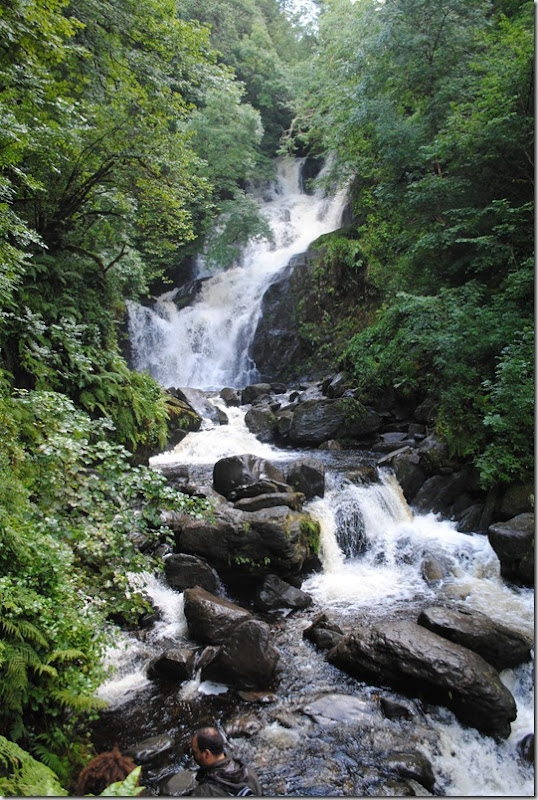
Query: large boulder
[[318, 420], [497, 644], [246, 655], [198, 401], [174, 664], [211, 619], [247, 658], [417, 661], [513, 542], [307, 475], [248, 543], [183, 571], [234, 471], [261, 421]]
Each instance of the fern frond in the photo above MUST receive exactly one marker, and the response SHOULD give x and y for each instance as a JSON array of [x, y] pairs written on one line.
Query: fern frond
[[22, 630], [78, 702], [27, 777], [64, 655]]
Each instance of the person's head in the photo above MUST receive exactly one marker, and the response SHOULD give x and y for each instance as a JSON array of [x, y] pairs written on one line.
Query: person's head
[[207, 746], [104, 769]]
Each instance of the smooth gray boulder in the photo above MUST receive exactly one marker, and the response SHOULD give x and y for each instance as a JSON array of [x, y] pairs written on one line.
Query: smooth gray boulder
[[307, 475], [413, 659]]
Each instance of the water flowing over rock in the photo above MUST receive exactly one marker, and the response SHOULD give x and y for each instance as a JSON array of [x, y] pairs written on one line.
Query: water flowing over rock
[[419, 661]]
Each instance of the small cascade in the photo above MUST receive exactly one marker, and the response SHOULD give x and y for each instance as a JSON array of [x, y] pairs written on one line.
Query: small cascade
[[206, 345]]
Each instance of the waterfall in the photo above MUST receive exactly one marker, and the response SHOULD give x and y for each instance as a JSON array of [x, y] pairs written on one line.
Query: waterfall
[[206, 345]]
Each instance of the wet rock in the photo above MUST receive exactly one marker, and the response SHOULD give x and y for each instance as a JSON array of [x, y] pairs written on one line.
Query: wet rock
[[238, 543], [307, 475], [293, 500], [257, 488], [276, 594], [442, 493], [410, 765], [409, 657], [434, 568], [211, 619], [243, 725], [516, 500], [233, 471], [183, 571], [261, 422], [254, 391], [409, 473], [230, 396], [176, 664], [198, 401], [398, 708], [319, 420], [525, 748], [148, 749], [344, 708], [497, 644], [247, 657], [469, 519], [179, 784], [513, 542], [323, 633]]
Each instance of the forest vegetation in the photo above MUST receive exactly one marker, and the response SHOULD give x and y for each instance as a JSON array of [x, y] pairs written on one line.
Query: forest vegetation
[[128, 128]]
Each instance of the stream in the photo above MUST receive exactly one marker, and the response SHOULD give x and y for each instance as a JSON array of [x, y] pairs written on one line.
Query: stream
[[321, 732]]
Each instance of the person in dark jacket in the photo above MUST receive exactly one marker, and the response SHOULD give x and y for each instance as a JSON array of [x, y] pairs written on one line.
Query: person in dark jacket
[[220, 775]]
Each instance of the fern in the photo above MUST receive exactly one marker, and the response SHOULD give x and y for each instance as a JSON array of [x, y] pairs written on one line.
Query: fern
[[21, 775], [126, 788]]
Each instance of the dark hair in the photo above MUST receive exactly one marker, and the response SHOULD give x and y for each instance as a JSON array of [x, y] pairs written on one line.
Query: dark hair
[[104, 769], [210, 739]]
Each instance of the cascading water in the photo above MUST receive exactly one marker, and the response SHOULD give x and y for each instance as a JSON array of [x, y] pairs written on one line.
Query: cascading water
[[372, 548], [206, 345]]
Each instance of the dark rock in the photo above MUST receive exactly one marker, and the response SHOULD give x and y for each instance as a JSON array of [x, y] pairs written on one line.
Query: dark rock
[[441, 493], [230, 396], [307, 475], [276, 594], [410, 765], [323, 633], [409, 657], [261, 422], [243, 725], [183, 571], [247, 657], [239, 544], [470, 517], [293, 500], [260, 487], [526, 748], [197, 399], [175, 664], [255, 391], [337, 707], [211, 619], [434, 568], [513, 542], [319, 420], [516, 500], [398, 708], [179, 784], [148, 749], [497, 644], [409, 473], [234, 471]]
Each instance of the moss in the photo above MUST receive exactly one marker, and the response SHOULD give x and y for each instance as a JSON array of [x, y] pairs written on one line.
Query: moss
[[310, 529]]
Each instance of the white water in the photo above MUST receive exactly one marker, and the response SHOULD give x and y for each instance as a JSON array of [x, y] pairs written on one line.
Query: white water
[[206, 345]]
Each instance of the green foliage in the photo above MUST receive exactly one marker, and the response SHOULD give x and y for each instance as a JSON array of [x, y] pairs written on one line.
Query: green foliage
[[69, 556], [125, 788], [24, 776]]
